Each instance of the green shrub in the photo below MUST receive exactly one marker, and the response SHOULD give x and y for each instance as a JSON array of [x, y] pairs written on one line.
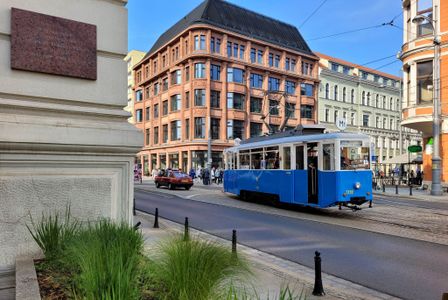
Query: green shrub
[[285, 293], [52, 233], [196, 269], [108, 257]]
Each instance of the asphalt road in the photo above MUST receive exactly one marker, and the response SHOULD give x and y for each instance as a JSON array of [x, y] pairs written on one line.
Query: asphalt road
[[404, 268]]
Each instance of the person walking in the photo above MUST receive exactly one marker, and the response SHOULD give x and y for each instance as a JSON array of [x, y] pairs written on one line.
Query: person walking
[[206, 180], [212, 175], [192, 173]]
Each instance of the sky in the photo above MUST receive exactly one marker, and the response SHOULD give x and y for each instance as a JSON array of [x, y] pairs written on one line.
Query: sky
[[148, 19]]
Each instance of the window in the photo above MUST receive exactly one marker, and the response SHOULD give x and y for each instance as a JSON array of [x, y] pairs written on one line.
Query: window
[[165, 107], [377, 100], [256, 80], [165, 84], [271, 59], [147, 137], [187, 129], [147, 113], [354, 156], [307, 89], [273, 84], [138, 96], [377, 122], [199, 70], [290, 87], [156, 135], [176, 77], [290, 110], [253, 55], [328, 157], [199, 97], [363, 98], [260, 56], [199, 128], [235, 129], [424, 82], [368, 99], [229, 49], [147, 92], [139, 115], [235, 47], [336, 115], [187, 99], [365, 120], [352, 119], [235, 75], [327, 91], [165, 133], [215, 72], [176, 103], [277, 61], [327, 115], [307, 68], [384, 123], [364, 75], [215, 128], [376, 78], [215, 99], [306, 111], [273, 107], [154, 69], [235, 50], [424, 7], [241, 51], [215, 45], [293, 65], [256, 104], [345, 70], [199, 42], [344, 94], [300, 161], [156, 111], [156, 89], [235, 101], [287, 64], [336, 93], [187, 74], [352, 96], [384, 102], [391, 124], [255, 129], [391, 103], [176, 131], [334, 67]]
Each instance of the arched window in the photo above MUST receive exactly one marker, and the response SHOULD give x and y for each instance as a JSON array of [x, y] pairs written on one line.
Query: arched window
[[327, 91], [368, 99], [336, 92], [384, 102], [377, 100], [344, 94], [352, 96], [363, 98], [336, 115], [391, 104]]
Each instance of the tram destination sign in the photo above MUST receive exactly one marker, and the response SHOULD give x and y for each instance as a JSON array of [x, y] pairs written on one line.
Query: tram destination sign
[[415, 148]]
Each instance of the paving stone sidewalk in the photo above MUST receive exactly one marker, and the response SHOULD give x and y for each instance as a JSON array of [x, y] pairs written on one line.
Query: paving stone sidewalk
[[270, 272]]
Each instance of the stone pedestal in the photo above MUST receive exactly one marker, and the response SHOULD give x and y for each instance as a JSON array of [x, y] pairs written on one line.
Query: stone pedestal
[[64, 139]]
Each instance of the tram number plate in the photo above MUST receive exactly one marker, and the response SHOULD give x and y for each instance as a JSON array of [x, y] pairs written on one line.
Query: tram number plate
[[349, 192]]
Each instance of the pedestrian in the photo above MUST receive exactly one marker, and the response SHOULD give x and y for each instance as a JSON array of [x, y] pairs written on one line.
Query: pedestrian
[[206, 176], [192, 173], [212, 174], [154, 173], [419, 176]]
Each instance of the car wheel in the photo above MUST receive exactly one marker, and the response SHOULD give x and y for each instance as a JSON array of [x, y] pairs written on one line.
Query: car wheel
[[171, 186], [157, 185]]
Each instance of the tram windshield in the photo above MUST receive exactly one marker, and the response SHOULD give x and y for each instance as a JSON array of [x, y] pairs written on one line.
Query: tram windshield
[[354, 156]]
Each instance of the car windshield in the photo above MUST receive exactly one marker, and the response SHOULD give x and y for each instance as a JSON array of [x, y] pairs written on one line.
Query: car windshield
[[180, 175]]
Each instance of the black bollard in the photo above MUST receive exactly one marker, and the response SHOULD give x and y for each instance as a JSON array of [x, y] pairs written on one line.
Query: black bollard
[[234, 242], [318, 288], [396, 189], [137, 226], [186, 230], [370, 204], [384, 187], [410, 190], [133, 208], [156, 218]]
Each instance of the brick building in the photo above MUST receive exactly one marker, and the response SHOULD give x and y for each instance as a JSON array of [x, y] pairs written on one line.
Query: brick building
[[215, 74], [418, 68]]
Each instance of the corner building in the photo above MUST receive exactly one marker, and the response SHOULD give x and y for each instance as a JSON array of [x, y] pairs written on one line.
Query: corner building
[[417, 55], [215, 74]]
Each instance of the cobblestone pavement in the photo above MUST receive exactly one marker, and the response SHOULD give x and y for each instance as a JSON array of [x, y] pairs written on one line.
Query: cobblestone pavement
[[270, 272], [407, 221]]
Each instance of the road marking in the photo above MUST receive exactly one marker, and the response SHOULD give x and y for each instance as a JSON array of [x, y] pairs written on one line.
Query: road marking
[[191, 196]]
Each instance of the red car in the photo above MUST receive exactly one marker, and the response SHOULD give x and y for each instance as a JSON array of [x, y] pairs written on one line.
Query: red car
[[174, 179]]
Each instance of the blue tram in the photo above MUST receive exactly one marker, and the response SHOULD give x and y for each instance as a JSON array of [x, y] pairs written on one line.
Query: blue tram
[[320, 170]]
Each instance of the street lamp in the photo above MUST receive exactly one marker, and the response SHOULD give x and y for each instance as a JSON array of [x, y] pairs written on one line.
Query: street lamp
[[436, 187]]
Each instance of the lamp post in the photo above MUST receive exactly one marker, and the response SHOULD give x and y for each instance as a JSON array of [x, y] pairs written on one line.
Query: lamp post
[[436, 187]]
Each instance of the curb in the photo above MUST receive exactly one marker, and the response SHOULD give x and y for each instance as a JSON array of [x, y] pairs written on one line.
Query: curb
[[27, 286]]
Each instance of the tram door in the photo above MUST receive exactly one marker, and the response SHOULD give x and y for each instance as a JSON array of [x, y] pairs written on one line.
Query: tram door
[[312, 172]]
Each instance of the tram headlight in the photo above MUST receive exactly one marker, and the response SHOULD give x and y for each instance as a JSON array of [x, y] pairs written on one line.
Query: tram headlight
[[357, 185]]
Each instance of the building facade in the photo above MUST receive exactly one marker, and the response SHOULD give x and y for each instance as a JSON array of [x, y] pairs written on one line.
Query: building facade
[[131, 59], [369, 100], [419, 78], [221, 73]]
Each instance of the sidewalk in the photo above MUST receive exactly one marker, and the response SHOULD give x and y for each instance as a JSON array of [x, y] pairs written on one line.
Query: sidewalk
[[417, 194], [270, 272]]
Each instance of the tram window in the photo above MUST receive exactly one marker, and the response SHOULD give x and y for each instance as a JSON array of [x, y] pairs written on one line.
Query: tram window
[[328, 157], [244, 159], [256, 156], [354, 156], [271, 158], [300, 165], [286, 158]]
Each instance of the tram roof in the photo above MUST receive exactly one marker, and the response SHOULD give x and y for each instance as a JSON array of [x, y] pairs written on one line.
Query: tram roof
[[299, 138]]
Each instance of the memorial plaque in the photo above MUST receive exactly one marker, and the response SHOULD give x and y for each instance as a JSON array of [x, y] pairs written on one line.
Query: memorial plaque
[[53, 45]]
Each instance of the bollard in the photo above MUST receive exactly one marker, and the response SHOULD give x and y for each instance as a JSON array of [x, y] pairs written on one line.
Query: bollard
[[370, 204], [133, 208], [234, 242], [156, 219], [137, 226], [318, 288], [410, 190], [396, 189], [340, 205], [445, 296], [384, 187], [186, 230]]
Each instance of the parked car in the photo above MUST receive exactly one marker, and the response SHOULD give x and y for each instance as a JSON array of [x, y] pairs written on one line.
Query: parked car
[[173, 179]]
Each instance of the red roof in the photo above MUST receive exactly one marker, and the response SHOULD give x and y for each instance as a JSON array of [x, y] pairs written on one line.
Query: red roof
[[347, 63]]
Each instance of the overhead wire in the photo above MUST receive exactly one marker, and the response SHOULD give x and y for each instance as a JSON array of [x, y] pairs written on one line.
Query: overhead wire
[[312, 14]]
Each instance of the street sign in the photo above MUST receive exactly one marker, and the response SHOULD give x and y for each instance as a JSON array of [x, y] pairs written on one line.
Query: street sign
[[341, 123], [415, 148]]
